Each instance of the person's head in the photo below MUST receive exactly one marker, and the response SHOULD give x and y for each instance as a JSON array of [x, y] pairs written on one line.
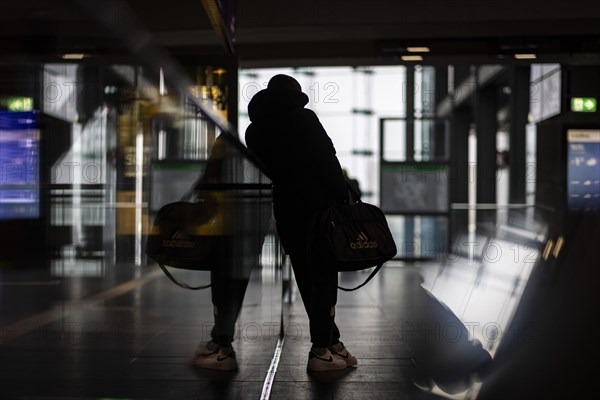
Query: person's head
[[284, 82]]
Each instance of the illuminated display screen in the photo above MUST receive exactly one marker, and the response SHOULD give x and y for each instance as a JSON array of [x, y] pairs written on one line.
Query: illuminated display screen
[[19, 165], [583, 170]]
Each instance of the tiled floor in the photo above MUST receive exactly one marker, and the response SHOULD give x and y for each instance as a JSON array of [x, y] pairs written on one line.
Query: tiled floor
[[131, 334]]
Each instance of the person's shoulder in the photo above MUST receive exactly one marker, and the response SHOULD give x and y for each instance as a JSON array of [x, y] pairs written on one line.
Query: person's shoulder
[[307, 117], [308, 113]]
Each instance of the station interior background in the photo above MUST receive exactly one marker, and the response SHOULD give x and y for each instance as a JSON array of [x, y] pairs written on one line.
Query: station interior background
[[474, 127]]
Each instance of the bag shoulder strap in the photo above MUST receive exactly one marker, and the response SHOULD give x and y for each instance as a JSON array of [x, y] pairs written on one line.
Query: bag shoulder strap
[[353, 191], [373, 273], [183, 285]]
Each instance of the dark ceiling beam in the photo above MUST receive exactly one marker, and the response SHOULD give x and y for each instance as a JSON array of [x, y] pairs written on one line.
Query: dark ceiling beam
[[219, 26]]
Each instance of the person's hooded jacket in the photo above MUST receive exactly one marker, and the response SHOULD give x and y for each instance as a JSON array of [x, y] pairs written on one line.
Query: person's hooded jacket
[[294, 146]]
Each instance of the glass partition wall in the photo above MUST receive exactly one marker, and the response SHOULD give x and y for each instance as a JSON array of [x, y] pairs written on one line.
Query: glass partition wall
[[112, 137]]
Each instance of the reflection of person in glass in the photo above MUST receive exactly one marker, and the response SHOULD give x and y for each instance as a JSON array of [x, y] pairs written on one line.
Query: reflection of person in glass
[[240, 229], [307, 178]]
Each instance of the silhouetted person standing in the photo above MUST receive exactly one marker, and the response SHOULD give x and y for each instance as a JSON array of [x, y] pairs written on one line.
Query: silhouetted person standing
[[307, 178]]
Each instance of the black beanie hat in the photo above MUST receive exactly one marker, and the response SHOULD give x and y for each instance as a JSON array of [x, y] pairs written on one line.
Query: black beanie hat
[[281, 81]]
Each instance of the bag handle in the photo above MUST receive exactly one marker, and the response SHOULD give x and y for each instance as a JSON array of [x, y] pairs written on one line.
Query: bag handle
[[373, 273], [353, 191], [183, 285]]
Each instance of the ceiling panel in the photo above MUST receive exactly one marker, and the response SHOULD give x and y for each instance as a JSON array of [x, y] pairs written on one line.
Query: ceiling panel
[[316, 32]]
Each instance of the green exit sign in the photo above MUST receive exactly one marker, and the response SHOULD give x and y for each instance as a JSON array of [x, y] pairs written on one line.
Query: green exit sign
[[583, 104], [19, 103]]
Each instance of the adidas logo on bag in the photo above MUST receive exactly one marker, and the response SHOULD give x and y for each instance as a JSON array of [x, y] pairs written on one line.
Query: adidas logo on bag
[[363, 242], [178, 240]]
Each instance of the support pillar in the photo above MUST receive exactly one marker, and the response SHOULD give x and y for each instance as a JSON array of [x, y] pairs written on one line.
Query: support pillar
[[486, 123], [519, 109]]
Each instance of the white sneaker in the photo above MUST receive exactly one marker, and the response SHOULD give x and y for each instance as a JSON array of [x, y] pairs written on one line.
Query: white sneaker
[[324, 362], [340, 351], [213, 356]]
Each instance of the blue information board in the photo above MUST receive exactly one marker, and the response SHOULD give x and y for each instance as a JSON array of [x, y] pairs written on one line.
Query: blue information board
[[583, 170], [19, 165]]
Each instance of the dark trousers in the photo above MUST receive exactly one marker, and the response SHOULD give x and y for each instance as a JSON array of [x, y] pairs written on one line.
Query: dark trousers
[[235, 257], [227, 299], [317, 281], [230, 278]]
